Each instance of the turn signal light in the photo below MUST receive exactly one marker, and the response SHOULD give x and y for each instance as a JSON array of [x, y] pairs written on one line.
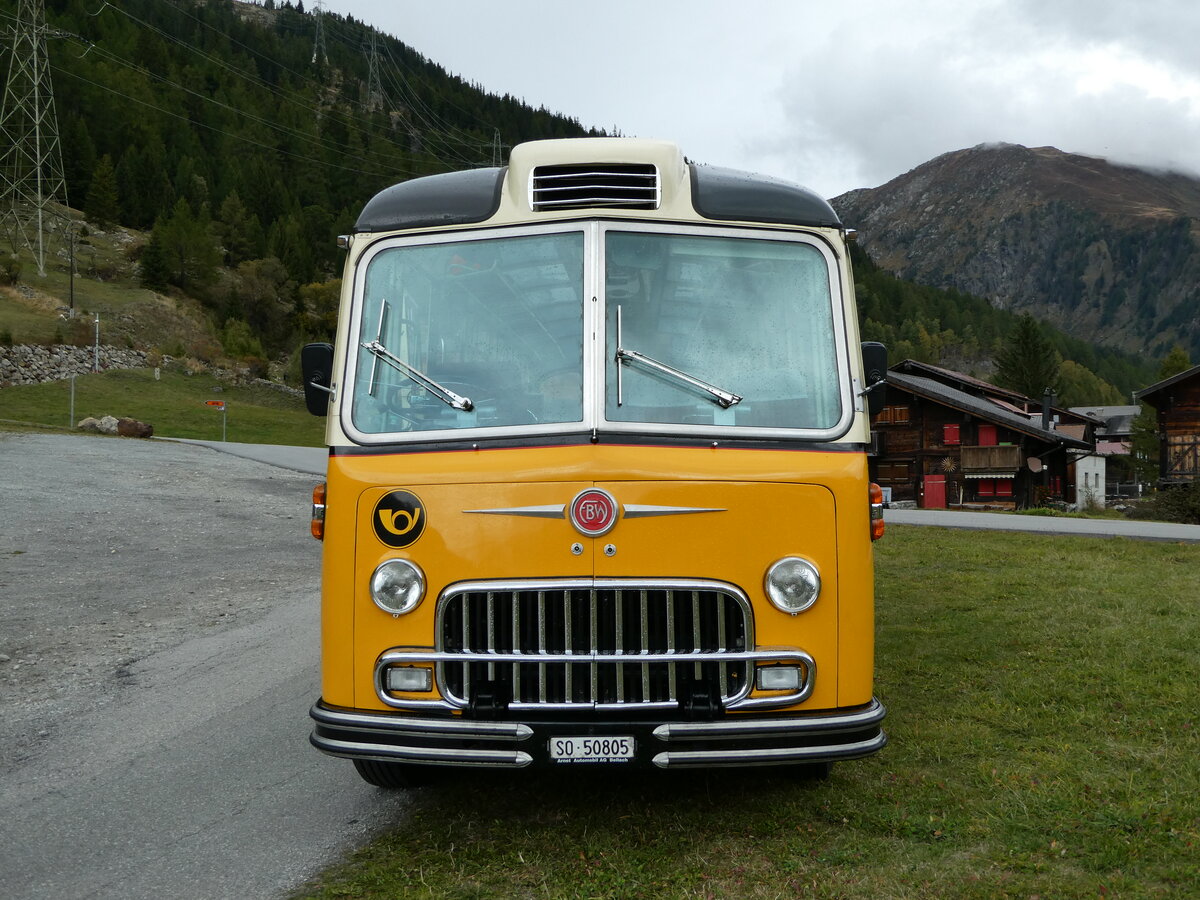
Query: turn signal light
[[317, 527], [877, 524]]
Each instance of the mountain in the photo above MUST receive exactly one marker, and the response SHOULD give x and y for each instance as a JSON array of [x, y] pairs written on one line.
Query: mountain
[[1108, 253]]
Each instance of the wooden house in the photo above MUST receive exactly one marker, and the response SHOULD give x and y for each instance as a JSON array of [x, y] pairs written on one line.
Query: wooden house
[[1177, 403], [948, 440]]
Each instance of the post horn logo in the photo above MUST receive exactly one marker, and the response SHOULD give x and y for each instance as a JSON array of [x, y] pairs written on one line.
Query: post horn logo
[[399, 518]]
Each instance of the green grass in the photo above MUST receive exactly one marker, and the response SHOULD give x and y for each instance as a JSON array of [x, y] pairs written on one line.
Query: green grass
[[1043, 710], [175, 405]]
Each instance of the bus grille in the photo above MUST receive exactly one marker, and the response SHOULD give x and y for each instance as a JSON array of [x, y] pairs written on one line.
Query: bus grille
[[627, 186], [641, 645]]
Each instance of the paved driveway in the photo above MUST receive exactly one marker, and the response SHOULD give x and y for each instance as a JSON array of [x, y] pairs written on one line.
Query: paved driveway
[[1152, 531]]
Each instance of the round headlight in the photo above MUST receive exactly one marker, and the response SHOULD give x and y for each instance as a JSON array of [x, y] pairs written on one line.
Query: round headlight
[[793, 584], [397, 586]]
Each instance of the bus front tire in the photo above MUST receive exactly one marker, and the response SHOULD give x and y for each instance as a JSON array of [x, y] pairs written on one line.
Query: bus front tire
[[394, 776]]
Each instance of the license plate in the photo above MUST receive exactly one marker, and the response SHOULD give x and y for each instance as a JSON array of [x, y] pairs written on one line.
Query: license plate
[[591, 749]]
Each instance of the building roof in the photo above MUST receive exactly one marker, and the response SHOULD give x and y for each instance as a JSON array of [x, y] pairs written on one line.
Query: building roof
[[1006, 398], [1117, 420], [982, 408], [1147, 392], [949, 376]]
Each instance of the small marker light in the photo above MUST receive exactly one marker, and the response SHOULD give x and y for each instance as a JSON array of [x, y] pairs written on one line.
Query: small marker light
[[877, 524], [317, 526]]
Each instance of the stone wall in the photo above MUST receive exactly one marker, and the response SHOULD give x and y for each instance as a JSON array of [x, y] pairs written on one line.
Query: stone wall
[[33, 364]]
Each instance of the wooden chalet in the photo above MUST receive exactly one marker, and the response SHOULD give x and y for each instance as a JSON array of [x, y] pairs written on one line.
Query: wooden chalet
[[1177, 403], [946, 439]]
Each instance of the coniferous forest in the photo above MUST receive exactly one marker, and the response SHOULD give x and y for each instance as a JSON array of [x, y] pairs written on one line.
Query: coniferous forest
[[219, 129]]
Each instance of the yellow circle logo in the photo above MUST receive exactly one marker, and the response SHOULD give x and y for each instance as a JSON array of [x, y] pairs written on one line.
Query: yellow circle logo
[[399, 518]]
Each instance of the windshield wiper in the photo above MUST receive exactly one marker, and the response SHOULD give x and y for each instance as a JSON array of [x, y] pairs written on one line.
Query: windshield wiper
[[670, 374], [719, 396], [443, 393]]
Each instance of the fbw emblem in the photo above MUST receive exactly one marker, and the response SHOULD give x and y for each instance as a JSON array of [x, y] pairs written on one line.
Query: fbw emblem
[[399, 518], [594, 512]]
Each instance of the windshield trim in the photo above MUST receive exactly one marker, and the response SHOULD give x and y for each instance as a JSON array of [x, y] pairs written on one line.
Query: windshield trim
[[596, 362], [359, 334], [841, 341]]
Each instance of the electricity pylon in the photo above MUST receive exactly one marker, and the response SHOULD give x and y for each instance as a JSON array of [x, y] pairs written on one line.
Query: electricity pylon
[[374, 89], [31, 170], [319, 40]]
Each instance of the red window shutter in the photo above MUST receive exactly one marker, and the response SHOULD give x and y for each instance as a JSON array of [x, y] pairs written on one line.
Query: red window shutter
[[1004, 487], [950, 434], [987, 435], [986, 488]]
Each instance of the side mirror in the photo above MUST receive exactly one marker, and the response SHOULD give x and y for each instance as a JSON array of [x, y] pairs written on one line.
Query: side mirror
[[316, 364], [875, 366]]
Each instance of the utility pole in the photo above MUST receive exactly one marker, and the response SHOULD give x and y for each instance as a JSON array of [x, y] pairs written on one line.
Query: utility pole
[[33, 190], [319, 40]]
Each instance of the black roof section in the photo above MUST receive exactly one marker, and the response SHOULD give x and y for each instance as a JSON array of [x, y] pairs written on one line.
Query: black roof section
[[454, 198], [745, 197], [473, 195], [1145, 392], [980, 407]]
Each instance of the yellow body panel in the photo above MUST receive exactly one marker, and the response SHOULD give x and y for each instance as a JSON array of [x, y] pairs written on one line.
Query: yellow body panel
[[765, 504]]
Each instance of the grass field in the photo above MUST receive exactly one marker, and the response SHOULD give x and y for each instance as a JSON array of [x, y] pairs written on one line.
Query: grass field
[[175, 404], [1043, 700]]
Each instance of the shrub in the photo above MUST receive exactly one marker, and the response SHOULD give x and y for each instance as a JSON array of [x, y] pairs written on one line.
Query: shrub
[[1173, 504], [10, 271]]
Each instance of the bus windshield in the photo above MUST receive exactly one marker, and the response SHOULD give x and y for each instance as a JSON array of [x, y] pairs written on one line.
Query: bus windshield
[[719, 331], [471, 334], [699, 330]]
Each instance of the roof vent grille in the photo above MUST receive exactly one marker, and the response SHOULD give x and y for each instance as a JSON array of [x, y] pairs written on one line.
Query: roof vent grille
[[606, 185]]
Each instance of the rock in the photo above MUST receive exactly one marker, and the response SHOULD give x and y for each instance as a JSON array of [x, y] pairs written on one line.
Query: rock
[[127, 427], [91, 423], [108, 425]]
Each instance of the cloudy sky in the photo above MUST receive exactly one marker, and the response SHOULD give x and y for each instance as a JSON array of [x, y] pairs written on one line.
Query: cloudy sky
[[834, 96]]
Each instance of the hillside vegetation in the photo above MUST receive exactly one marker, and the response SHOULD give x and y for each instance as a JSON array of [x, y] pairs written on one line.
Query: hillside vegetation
[[966, 333], [211, 157], [1109, 254]]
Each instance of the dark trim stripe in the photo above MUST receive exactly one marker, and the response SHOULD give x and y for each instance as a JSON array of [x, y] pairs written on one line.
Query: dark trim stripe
[[512, 443]]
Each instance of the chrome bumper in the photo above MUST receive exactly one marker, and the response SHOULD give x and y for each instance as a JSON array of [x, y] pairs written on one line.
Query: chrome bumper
[[730, 741]]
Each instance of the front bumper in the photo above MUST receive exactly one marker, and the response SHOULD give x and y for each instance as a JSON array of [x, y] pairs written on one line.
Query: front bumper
[[743, 740]]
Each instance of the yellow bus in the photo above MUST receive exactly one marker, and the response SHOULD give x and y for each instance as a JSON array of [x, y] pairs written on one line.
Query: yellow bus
[[597, 487]]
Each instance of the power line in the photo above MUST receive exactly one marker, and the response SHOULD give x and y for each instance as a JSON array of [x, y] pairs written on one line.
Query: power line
[[213, 128], [315, 140]]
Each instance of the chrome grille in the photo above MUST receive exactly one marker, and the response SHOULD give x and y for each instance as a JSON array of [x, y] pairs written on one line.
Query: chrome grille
[[593, 645], [629, 186]]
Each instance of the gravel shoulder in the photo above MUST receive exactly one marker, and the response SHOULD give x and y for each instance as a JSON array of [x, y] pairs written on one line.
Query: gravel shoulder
[[113, 549]]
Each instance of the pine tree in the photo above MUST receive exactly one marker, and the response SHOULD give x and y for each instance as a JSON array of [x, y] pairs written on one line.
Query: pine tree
[[1175, 362], [101, 206], [154, 269], [1028, 362]]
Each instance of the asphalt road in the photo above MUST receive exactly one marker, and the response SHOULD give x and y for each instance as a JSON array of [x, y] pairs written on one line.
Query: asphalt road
[[158, 656]]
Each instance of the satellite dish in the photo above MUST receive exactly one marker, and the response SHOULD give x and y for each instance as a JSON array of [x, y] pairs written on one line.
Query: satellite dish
[[1033, 464]]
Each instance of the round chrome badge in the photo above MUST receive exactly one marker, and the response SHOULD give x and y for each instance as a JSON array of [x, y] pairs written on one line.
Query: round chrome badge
[[594, 512]]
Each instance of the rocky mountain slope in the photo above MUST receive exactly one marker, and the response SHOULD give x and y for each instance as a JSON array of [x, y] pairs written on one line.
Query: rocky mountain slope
[[1108, 253]]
